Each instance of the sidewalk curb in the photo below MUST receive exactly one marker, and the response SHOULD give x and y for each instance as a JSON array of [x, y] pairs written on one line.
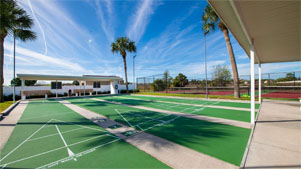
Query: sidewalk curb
[[8, 110]]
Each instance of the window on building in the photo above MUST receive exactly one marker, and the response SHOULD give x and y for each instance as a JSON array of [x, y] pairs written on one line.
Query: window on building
[[96, 85], [56, 85]]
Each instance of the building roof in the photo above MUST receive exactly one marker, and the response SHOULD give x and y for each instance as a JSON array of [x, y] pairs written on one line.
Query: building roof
[[67, 77], [273, 26]]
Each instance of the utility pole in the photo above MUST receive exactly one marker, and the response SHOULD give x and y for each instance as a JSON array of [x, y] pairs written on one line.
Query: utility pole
[[14, 79], [134, 69], [206, 66]]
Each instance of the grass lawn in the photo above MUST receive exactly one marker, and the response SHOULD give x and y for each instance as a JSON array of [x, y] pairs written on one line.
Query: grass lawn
[[224, 142], [5, 105]]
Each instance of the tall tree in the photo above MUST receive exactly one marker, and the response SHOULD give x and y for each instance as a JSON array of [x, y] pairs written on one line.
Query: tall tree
[[167, 80], [180, 81], [123, 45], [211, 20], [221, 75], [16, 22]]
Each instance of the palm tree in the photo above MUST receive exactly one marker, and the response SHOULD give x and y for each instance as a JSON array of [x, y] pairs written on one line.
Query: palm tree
[[14, 21], [211, 19], [123, 45]]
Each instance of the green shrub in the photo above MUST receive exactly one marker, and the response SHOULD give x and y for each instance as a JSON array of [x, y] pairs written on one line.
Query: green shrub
[[10, 97]]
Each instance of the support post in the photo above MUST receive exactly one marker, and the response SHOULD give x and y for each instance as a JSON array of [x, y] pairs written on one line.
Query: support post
[[84, 88], [114, 87], [22, 90], [252, 56], [259, 83], [56, 88]]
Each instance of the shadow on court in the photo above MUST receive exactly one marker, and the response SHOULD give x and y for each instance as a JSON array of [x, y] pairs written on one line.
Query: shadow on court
[[182, 130]]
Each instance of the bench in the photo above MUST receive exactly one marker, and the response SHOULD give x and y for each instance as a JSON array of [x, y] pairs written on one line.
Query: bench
[[78, 92], [35, 93]]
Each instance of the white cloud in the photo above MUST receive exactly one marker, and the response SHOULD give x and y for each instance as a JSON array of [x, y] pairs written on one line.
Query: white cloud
[[105, 18], [242, 56], [41, 29], [244, 68], [42, 59], [141, 18]]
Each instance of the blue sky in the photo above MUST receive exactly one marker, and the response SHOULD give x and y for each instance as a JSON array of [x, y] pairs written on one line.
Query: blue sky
[[74, 38]]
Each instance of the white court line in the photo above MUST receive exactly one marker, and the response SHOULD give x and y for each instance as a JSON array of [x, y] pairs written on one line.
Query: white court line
[[58, 130], [162, 124], [177, 103], [46, 152], [188, 108], [139, 113], [201, 109], [24, 141], [154, 119], [137, 125], [3, 166], [55, 163], [54, 134], [66, 145], [82, 126], [124, 118]]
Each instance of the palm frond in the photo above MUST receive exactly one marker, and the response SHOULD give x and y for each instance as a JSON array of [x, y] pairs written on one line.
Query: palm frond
[[14, 20], [210, 19], [24, 35], [123, 45]]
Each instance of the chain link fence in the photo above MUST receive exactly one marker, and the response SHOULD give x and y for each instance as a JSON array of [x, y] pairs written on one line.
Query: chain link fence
[[287, 84]]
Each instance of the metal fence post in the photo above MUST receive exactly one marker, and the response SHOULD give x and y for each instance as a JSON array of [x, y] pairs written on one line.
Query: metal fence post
[[136, 83], [144, 85], [153, 83], [294, 78]]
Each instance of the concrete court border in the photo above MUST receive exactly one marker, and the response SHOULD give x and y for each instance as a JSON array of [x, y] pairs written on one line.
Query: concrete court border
[[199, 117], [8, 124], [172, 154]]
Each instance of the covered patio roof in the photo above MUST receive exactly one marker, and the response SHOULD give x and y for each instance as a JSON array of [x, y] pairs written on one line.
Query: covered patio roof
[[67, 77], [273, 27]]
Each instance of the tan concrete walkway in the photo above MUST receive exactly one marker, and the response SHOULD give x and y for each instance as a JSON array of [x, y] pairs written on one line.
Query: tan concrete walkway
[[195, 98], [8, 124], [276, 140], [174, 155], [194, 116], [189, 104]]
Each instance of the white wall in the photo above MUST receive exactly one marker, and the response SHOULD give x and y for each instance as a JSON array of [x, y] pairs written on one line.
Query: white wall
[[7, 90]]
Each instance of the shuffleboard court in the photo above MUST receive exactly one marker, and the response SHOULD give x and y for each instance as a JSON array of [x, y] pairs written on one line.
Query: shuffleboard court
[[238, 115], [51, 135], [221, 141], [195, 101]]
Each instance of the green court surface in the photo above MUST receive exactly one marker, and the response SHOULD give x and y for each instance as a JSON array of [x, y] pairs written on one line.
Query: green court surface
[[51, 135], [195, 101], [238, 115], [221, 141]]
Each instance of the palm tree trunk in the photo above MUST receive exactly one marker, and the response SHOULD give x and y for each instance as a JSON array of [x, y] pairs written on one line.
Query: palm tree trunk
[[232, 60], [125, 73], [1, 66]]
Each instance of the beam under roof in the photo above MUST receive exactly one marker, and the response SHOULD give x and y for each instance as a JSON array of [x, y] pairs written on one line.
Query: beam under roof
[[274, 27], [67, 78]]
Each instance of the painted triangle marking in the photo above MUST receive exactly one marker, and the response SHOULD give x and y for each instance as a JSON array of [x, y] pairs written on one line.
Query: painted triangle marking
[[71, 154]]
